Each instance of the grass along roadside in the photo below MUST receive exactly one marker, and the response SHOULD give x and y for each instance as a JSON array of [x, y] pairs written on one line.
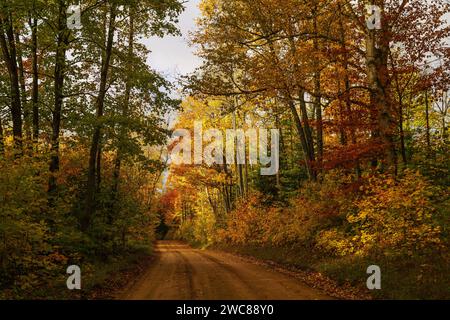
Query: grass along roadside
[[345, 278], [112, 279], [103, 279]]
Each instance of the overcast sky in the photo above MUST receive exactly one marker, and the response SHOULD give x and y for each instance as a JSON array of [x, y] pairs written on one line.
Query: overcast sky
[[172, 56]]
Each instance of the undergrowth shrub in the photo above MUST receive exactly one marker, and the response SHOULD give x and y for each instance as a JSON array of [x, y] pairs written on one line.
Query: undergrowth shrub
[[390, 216], [40, 235], [343, 216]]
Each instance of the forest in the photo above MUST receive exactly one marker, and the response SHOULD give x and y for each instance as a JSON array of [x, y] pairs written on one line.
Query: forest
[[359, 92], [363, 119], [82, 129]]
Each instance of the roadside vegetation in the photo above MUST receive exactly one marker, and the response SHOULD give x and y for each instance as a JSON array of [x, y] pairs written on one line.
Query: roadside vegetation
[[364, 154], [82, 126]]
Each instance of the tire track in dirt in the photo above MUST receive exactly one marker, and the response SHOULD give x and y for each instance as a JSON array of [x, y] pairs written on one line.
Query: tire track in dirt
[[183, 273]]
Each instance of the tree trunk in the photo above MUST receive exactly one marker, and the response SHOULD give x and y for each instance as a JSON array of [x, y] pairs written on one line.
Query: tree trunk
[[304, 130], [90, 192], [303, 140], [377, 74], [23, 90], [227, 186], [98, 168], [60, 65], [237, 154], [350, 119], [402, 133], [317, 88], [125, 107], [35, 86], [427, 119], [277, 125], [342, 118], [2, 143], [306, 127], [8, 47]]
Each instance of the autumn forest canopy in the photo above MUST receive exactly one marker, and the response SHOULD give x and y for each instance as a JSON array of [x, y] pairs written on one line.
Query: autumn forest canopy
[[360, 100]]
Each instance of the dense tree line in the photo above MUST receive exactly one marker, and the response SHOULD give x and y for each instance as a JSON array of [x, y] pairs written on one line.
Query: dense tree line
[[82, 119], [362, 113]]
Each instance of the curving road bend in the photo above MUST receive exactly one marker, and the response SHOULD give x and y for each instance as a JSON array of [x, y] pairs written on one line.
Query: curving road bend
[[183, 273]]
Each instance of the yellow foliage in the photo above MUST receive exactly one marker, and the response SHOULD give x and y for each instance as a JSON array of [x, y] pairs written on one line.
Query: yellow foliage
[[389, 216]]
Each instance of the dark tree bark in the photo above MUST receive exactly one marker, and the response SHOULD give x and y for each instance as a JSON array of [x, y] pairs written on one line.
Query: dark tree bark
[[35, 85], [402, 133], [427, 122], [303, 125], [60, 65], [303, 140], [8, 46], [125, 108], [307, 127], [91, 185], [23, 90], [238, 167], [2, 143], [98, 168], [227, 186]]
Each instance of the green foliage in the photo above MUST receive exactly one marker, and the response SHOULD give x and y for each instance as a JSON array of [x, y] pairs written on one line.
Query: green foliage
[[44, 222], [40, 238], [24, 249]]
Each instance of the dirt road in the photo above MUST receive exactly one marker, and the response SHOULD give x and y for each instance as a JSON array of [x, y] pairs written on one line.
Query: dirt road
[[183, 273]]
